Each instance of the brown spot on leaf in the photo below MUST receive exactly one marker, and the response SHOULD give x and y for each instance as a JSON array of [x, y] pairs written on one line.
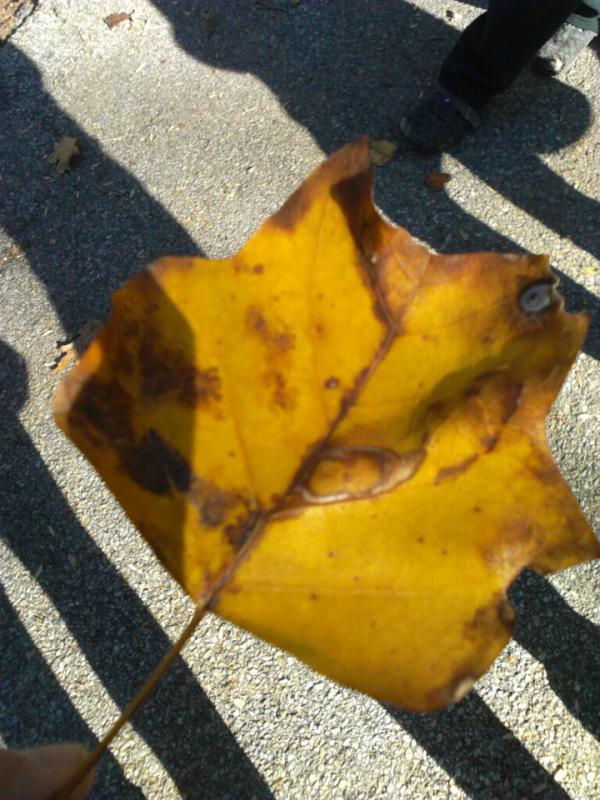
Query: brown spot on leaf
[[207, 386], [213, 503], [283, 340], [237, 533], [90, 409], [350, 396], [279, 395], [332, 383], [256, 322], [258, 269], [519, 540], [488, 443], [510, 400], [280, 341], [169, 371], [155, 465], [148, 460], [456, 469]]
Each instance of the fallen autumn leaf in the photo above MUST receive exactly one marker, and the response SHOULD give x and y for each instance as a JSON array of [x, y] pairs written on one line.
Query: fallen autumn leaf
[[113, 20], [335, 438], [68, 349], [435, 181], [382, 151]]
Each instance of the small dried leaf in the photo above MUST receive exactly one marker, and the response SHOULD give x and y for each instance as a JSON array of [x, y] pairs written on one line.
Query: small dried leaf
[[209, 21], [117, 19], [68, 349], [435, 181], [65, 150], [66, 354], [381, 151]]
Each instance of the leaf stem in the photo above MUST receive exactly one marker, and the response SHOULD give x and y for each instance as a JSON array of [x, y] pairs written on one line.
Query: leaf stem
[[140, 698]]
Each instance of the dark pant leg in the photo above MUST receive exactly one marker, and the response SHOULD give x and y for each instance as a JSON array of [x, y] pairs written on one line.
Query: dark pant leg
[[587, 16], [495, 47]]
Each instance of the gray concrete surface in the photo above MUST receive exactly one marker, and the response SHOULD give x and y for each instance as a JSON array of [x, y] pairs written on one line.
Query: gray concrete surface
[[189, 138]]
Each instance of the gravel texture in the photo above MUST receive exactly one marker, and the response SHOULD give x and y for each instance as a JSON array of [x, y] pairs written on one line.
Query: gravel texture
[[193, 128]]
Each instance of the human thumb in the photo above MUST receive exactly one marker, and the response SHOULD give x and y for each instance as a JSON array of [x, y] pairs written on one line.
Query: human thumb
[[36, 773]]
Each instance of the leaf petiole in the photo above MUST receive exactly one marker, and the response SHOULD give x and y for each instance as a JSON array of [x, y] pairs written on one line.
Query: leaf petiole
[[141, 697]]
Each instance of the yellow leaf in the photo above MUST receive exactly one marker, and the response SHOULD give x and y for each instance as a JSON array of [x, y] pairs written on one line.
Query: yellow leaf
[[335, 438]]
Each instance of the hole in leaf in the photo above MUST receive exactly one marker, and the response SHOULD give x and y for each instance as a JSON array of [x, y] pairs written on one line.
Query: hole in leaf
[[538, 297]]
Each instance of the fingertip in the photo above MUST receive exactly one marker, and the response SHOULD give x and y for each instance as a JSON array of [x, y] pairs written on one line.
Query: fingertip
[[36, 773]]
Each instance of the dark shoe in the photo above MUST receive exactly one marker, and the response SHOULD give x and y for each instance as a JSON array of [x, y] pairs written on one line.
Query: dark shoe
[[562, 49], [438, 121]]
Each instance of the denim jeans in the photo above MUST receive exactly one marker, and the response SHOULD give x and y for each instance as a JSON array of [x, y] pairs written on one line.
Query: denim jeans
[[495, 47]]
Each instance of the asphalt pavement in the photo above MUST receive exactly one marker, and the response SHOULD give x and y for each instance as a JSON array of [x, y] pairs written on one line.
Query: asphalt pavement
[[194, 122]]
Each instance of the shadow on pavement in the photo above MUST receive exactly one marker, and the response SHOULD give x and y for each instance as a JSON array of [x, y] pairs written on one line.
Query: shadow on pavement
[[471, 744], [344, 68], [36, 701], [340, 69], [349, 67], [567, 644], [84, 239]]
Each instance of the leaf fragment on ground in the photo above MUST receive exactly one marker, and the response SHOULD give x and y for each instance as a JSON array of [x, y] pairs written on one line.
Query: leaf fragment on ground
[[70, 349], [335, 438], [117, 18], [65, 151], [209, 21], [435, 181], [382, 151]]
